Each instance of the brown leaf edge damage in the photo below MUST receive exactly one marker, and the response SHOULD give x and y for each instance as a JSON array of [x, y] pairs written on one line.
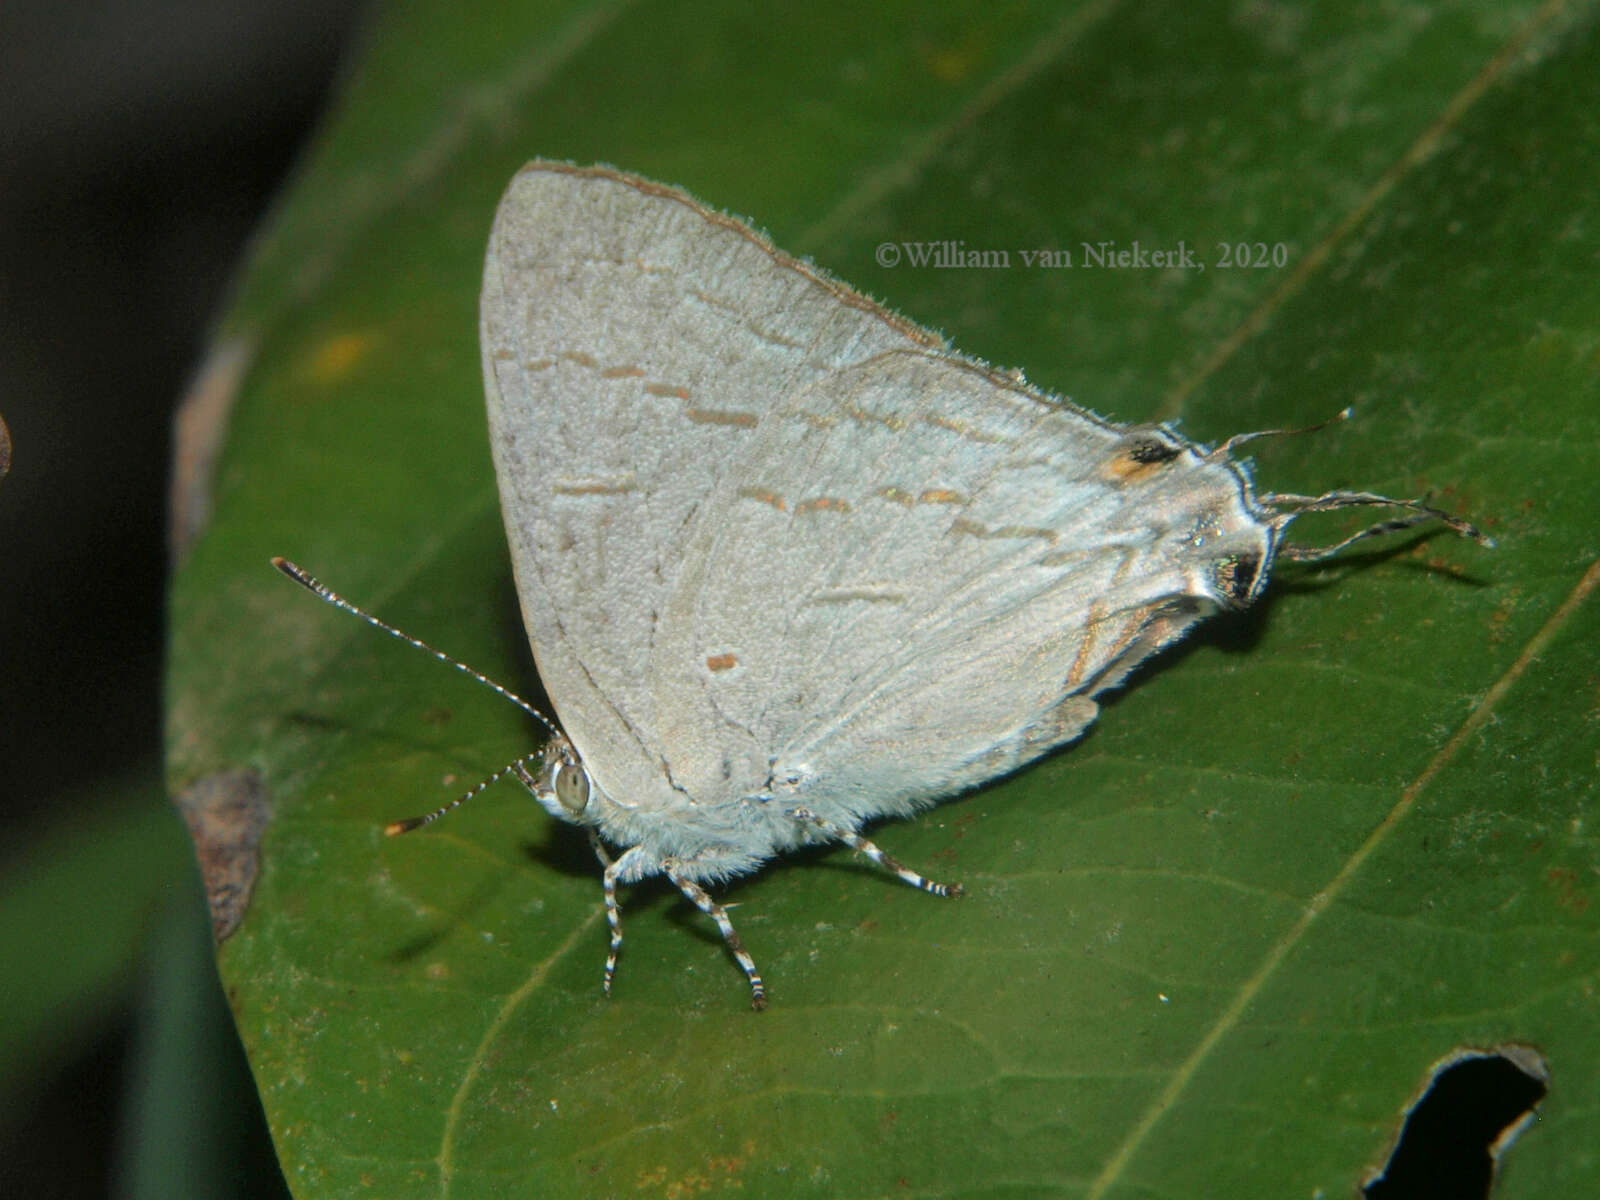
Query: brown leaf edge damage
[[198, 431], [1471, 1107], [5, 449], [226, 814]]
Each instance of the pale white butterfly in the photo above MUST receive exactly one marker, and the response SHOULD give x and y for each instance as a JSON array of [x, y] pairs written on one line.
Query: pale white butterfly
[[787, 563]]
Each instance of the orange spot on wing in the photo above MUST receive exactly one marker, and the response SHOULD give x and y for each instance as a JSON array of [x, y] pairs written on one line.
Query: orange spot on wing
[[709, 416], [822, 504], [615, 485], [1091, 630], [721, 662], [764, 496], [1124, 469]]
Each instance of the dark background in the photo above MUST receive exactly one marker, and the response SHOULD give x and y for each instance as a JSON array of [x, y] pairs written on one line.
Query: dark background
[[140, 145]]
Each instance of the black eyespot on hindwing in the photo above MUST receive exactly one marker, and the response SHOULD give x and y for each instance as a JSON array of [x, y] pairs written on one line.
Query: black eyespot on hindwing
[[1236, 578], [1147, 449]]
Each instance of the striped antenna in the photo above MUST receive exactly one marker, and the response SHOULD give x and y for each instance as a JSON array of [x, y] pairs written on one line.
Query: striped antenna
[[395, 828], [320, 590]]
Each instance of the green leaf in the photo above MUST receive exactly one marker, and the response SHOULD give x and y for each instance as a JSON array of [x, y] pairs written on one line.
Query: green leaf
[[107, 943], [77, 898], [1213, 949]]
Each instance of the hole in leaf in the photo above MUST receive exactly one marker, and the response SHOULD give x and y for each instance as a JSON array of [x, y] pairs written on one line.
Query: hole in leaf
[[1474, 1105]]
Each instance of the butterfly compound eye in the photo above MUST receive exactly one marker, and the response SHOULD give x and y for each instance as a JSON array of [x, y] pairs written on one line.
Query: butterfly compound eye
[[572, 788]]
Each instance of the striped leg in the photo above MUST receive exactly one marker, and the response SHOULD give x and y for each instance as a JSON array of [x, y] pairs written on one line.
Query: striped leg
[[856, 842], [698, 897], [614, 871]]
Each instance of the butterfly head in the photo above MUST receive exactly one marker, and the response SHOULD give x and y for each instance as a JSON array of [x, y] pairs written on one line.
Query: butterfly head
[[562, 785]]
